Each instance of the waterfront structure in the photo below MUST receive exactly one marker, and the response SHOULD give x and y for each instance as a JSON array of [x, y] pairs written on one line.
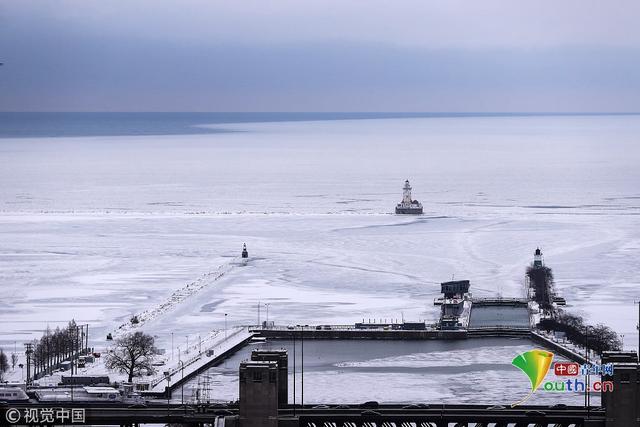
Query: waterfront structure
[[245, 253], [258, 394], [282, 359], [408, 206], [540, 285], [623, 405], [455, 305]]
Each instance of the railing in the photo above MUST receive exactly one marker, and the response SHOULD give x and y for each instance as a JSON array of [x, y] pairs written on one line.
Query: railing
[[500, 327], [306, 327], [193, 359], [351, 328]]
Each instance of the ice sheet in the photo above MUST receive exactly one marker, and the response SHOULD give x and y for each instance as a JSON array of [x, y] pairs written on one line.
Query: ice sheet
[[101, 228]]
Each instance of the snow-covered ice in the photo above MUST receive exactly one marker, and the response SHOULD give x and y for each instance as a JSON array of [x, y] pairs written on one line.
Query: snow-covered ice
[[471, 371], [101, 228]]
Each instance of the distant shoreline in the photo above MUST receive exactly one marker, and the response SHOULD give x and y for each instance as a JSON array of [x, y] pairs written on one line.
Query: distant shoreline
[[90, 124]]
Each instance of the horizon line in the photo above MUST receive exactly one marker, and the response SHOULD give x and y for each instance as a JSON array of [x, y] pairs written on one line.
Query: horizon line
[[424, 113]]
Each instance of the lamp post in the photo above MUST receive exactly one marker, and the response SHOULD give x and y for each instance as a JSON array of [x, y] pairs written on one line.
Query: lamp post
[[638, 326], [294, 374], [622, 341], [225, 326], [182, 386], [267, 306], [187, 336], [301, 366], [167, 375], [586, 352], [302, 370], [172, 346]]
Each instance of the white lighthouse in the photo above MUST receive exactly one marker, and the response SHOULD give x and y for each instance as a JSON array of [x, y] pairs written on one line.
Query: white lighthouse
[[408, 206], [537, 258], [406, 193]]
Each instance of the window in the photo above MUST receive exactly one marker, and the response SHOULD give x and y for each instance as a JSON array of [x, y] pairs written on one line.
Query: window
[[257, 376]]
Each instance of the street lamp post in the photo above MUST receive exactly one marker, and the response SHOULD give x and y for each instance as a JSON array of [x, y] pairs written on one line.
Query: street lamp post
[[187, 351], [294, 374], [586, 351], [172, 346], [167, 375], [225, 326], [267, 305], [182, 386], [302, 370], [301, 366], [637, 328]]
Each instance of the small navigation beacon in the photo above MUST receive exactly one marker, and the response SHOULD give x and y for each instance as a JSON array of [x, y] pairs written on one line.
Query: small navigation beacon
[[245, 254]]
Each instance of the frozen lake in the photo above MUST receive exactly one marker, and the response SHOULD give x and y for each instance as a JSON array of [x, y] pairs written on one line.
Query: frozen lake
[[101, 228], [353, 372]]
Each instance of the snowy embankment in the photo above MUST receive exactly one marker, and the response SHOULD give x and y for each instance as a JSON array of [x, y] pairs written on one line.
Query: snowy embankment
[[212, 340], [177, 297]]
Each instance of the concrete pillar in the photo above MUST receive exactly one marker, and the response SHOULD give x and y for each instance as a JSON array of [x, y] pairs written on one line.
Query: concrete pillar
[[622, 405], [258, 394], [281, 358]]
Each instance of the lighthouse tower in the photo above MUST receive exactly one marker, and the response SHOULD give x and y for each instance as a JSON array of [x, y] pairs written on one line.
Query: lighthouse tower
[[245, 253], [537, 258], [406, 193], [408, 205]]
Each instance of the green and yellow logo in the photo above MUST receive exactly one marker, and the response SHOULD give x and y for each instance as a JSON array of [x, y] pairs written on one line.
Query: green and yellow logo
[[535, 364]]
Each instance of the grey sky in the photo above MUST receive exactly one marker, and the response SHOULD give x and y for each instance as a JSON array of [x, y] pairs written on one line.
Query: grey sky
[[373, 55]]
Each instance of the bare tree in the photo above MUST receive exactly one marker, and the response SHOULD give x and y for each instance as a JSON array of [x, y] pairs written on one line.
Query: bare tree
[[4, 364], [133, 355], [598, 338]]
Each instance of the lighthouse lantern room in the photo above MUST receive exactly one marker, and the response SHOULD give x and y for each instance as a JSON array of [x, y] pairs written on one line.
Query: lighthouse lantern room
[[537, 258]]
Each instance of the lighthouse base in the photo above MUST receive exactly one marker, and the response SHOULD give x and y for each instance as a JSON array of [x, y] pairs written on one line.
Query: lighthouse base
[[409, 210]]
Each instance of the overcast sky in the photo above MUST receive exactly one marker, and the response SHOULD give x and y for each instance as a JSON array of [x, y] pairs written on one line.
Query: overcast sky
[[303, 55]]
